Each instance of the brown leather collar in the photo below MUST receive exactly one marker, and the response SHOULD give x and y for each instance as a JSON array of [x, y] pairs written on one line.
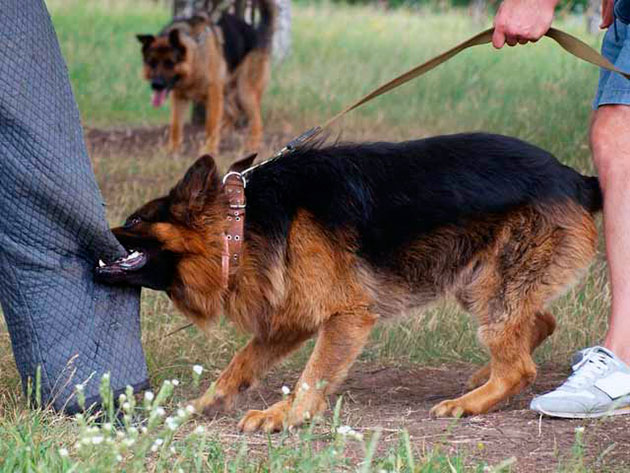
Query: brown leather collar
[[234, 188]]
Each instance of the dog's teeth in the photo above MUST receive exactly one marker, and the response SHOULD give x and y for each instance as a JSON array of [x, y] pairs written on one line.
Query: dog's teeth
[[101, 264], [135, 254]]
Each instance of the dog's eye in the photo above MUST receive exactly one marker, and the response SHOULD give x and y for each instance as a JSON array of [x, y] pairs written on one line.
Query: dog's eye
[[132, 221], [168, 64], [152, 63]]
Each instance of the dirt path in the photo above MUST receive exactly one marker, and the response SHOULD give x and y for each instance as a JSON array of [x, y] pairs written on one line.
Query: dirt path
[[394, 398]]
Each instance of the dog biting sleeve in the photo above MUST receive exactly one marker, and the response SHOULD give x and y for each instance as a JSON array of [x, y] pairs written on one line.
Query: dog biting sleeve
[[53, 227]]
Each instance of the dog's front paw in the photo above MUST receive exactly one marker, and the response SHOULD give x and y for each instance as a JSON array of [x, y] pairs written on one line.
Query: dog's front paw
[[173, 147], [450, 408], [269, 420], [210, 146], [212, 404], [284, 414]]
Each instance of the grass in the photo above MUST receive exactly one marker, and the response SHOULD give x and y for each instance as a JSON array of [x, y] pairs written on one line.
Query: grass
[[536, 93]]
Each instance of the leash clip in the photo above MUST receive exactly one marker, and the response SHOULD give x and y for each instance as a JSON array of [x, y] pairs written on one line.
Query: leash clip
[[299, 140]]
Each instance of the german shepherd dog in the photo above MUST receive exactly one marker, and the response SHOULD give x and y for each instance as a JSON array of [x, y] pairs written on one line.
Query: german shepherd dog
[[223, 66], [338, 237]]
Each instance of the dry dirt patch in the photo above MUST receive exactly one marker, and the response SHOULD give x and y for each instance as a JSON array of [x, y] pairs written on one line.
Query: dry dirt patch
[[395, 398]]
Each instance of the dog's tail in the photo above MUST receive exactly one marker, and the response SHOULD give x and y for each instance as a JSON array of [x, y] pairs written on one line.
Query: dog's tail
[[267, 23], [591, 194]]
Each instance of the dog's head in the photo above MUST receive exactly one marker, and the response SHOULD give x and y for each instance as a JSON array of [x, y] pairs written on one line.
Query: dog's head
[[164, 59], [176, 242], [174, 238]]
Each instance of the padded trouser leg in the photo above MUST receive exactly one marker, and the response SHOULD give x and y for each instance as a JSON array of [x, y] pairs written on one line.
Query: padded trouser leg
[[53, 227]]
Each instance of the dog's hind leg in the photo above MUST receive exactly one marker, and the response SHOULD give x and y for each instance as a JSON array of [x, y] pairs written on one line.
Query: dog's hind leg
[[534, 259], [251, 84], [544, 326], [245, 369], [340, 341]]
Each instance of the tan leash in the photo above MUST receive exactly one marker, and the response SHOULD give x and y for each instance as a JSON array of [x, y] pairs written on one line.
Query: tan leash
[[568, 42]]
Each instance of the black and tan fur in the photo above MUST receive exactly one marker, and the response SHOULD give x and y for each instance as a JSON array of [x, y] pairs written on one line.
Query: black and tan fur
[[225, 66], [339, 237]]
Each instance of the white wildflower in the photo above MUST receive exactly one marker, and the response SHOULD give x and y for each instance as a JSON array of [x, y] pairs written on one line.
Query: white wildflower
[[285, 390], [348, 431], [144, 429], [129, 442], [305, 386], [198, 369], [97, 439], [171, 423], [181, 413], [579, 430], [190, 409], [175, 382], [159, 441], [107, 426], [173, 451], [119, 457], [126, 406], [160, 411], [79, 387], [63, 452], [200, 430], [149, 396]]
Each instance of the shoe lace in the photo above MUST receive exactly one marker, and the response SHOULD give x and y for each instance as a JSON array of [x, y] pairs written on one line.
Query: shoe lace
[[586, 372]]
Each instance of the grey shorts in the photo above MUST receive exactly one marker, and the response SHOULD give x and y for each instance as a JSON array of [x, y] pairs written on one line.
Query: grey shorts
[[614, 88]]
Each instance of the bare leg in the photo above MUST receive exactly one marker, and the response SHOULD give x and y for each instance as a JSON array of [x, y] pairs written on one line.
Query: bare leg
[[340, 341], [610, 142]]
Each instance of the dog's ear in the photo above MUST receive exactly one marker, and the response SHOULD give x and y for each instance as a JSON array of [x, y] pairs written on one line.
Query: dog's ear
[[175, 41], [242, 164], [197, 189], [145, 39]]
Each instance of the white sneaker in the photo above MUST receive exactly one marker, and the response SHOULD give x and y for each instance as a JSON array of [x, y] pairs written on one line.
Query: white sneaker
[[599, 386]]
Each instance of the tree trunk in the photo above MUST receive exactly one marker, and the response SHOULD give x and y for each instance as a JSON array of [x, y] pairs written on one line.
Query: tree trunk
[[593, 16], [281, 47]]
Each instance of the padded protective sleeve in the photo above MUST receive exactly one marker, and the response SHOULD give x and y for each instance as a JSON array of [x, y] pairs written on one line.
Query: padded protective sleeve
[[53, 227]]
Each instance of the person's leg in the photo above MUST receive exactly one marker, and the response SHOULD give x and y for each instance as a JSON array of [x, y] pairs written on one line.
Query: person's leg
[[600, 383], [610, 142], [53, 228]]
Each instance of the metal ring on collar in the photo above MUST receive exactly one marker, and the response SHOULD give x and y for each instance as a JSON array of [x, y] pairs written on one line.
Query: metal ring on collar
[[237, 174]]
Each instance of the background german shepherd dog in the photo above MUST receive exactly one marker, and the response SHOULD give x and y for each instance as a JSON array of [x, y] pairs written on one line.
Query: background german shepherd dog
[[339, 237], [225, 66]]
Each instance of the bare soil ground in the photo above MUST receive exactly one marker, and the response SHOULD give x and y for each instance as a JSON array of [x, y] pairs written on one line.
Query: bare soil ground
[[397, 397]]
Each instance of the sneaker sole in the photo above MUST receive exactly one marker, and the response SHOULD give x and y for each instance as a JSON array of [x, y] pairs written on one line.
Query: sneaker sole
[[585, 415]]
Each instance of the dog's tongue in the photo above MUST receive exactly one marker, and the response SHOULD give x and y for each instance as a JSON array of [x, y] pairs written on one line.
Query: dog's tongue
[[159, 96]]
